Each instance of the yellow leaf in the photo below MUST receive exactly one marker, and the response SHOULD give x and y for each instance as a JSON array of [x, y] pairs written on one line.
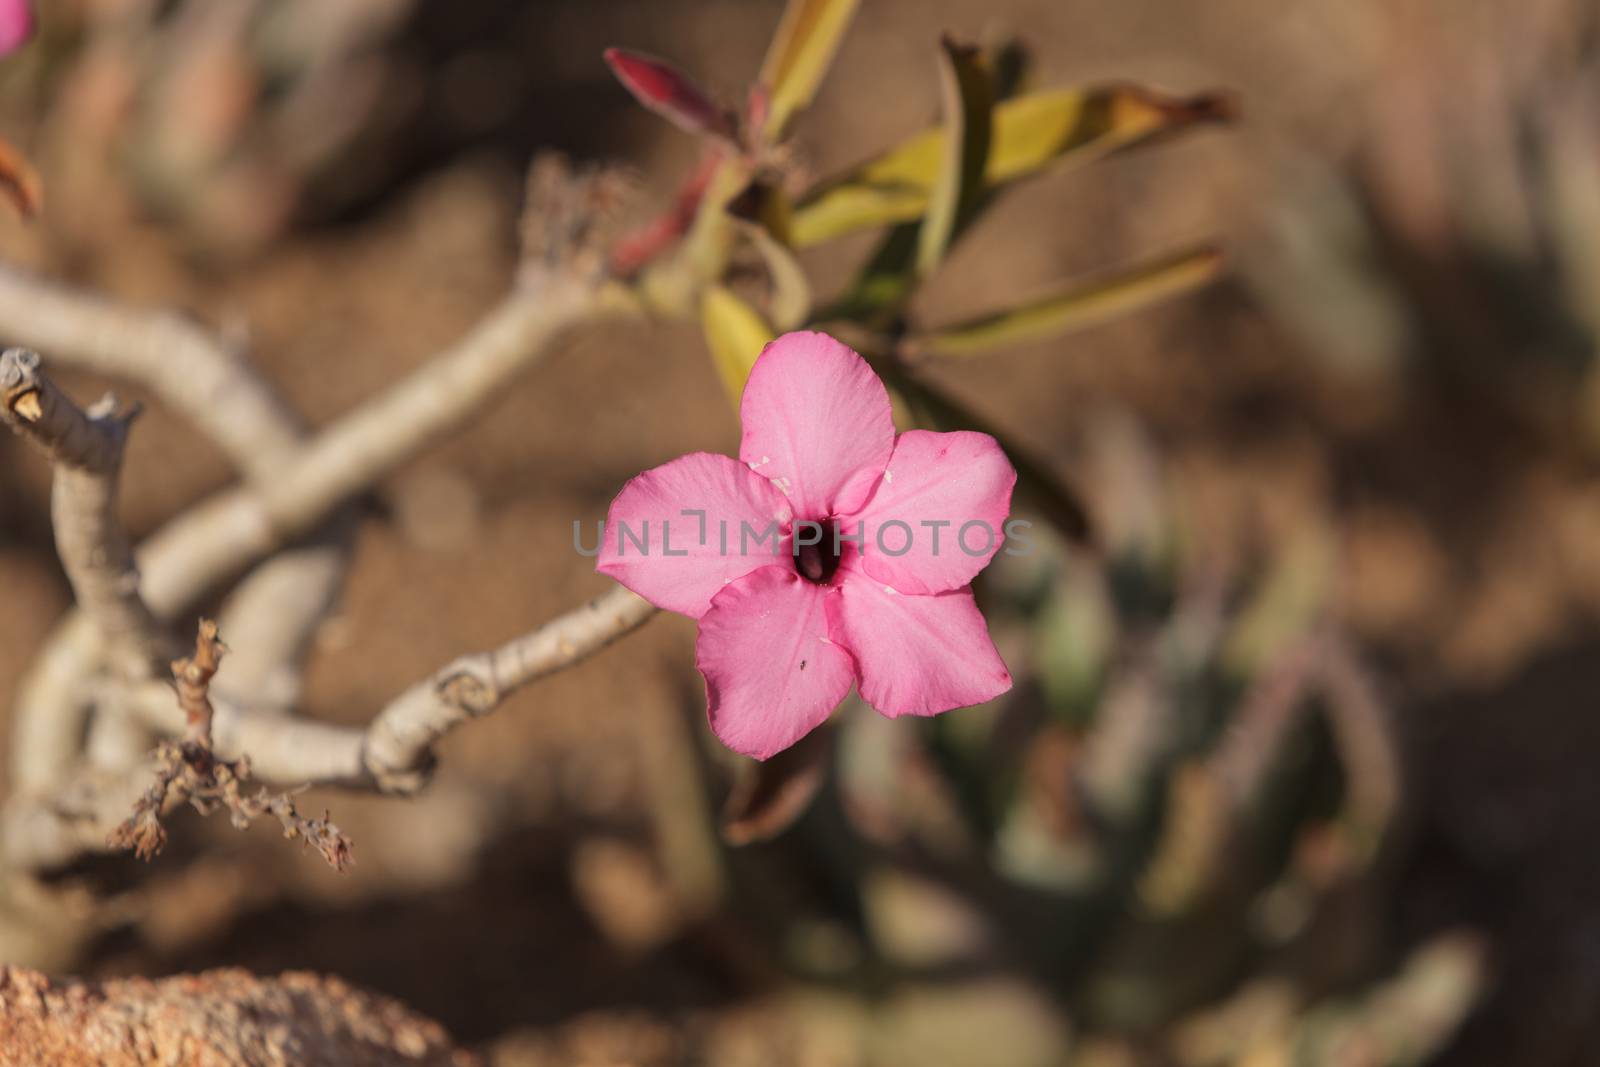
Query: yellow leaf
[[967, 99], [736, 333], [1075, 308], [802, 50], [1029, 133]]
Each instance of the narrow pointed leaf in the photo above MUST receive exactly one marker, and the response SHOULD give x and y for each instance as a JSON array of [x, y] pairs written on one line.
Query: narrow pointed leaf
[[966, 99], [669, 92], [802, 50], [1030, 133], [736, 333], [637, 248], [1075, 308]]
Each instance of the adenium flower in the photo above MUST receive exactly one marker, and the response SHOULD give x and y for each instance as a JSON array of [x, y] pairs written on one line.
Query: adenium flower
[[16, 24], [786, 628]]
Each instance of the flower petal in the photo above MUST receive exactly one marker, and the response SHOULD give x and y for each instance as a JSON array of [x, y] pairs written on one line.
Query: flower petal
[[772, 673], [16, 24], [817, 422], [683, 562], [960, 483], [916, 655]]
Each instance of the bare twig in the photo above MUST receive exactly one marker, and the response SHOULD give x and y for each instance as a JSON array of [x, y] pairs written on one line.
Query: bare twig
[[399, 743], [48, 830], [561, 284], [190, 771], [86, 448], [221, 536], [215, 388], [193, 676], [217, 538], [394, 752], [142, 831], [283, 746]]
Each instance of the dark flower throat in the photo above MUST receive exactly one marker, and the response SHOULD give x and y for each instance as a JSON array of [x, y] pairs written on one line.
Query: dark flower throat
[[817, 563]]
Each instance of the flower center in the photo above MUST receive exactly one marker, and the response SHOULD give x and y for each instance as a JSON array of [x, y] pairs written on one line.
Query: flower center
[[816, 563]]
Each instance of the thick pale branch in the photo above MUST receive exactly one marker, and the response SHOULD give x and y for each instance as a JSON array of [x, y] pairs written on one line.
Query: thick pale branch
[[299, 490], [44, 831], [209, 383], [216, 389], [283, 747], [273, 614], [393, 754], [86, 448], [399, 743], [187, 368], [225, 534], [395, 751], [220, 536], [220, 392], [53, 705]]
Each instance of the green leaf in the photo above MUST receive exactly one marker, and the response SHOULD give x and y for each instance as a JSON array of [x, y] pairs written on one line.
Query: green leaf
[[966, 99], [1074, 308], [802, 50], [883, 285], [736, 333], [1029, 134]]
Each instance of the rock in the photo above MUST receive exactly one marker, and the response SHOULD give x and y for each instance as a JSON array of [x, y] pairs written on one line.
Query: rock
[[223, 1018]]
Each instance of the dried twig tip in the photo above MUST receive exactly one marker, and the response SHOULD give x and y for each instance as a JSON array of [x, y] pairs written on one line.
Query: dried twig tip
[[570, 216], [19, 383], [193, 675]]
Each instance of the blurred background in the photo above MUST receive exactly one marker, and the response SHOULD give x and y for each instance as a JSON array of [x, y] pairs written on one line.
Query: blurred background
[[1300, 766]]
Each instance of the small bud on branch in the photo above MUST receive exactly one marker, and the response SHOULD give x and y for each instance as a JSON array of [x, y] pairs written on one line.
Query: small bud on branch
[[670, 93]]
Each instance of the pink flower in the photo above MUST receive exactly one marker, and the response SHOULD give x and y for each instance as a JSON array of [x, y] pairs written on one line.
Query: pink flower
[[784, 631], [16, 24]]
